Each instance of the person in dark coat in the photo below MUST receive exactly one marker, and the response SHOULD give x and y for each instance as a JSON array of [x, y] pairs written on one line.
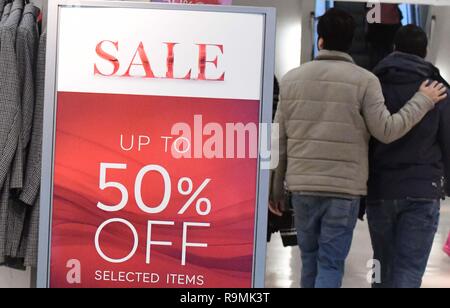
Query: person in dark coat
[[410, 176], [380, 35]]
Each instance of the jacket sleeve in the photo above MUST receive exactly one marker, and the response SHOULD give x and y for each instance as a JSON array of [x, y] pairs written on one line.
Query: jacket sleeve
[[279, 151], [9, 146], [444, 140], [32, 179], [387, 127], [25, 56], [10, 123]]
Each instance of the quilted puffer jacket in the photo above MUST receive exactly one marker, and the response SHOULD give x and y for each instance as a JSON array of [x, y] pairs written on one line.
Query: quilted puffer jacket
[[328, 110]]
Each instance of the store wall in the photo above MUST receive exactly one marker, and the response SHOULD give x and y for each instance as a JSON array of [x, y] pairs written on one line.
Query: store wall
[[293, 19], [293, 31], [440, 44]]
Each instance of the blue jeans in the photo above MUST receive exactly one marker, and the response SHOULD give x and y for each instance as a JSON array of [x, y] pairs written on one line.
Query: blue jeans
[[402, 233], [325, 232]]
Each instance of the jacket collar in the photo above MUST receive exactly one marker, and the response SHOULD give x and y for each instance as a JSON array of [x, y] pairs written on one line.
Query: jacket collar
[[401, 67], [334, 55], [31, 9], [17, 5]]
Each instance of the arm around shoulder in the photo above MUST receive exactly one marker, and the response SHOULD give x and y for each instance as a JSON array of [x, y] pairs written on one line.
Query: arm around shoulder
[[387, 127]]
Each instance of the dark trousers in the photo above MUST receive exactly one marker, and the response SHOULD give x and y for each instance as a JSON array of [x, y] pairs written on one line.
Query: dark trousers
[[325, 232], [402, 233]]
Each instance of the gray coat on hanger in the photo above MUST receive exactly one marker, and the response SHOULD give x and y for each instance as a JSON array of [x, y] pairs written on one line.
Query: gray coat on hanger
[[29, 244], [26, 48], [2, 6], [10, 111]]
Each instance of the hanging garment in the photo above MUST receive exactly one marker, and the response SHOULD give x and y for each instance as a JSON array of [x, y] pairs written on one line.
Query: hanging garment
[[33, 166], [30, 195], [11, 118], [4, 200], [27, 45], [26, 48], [5, 13], [2, 6], [447, 245], [14, 209], [17, 167]]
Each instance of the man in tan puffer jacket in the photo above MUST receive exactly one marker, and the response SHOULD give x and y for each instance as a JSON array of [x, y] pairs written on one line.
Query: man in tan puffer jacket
[[328, 110]]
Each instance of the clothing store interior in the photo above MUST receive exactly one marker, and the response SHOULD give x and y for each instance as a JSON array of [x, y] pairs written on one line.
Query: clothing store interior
[[296, 43]]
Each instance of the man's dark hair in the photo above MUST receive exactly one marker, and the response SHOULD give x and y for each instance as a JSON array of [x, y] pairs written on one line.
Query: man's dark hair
[[337, 29], [411, 39]]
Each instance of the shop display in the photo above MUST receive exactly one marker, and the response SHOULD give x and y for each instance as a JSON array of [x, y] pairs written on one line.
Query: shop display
[[20, 135], [156, 170]]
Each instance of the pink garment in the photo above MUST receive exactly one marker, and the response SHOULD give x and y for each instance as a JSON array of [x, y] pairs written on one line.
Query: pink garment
[[447, 246]]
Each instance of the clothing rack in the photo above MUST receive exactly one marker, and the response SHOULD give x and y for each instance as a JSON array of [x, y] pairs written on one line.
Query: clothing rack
[[20, 71]]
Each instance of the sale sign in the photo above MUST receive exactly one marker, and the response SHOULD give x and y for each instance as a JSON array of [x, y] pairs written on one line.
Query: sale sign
[[155, 166]]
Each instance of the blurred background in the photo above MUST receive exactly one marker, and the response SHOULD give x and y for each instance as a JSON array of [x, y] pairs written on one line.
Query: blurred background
[[296, 44]]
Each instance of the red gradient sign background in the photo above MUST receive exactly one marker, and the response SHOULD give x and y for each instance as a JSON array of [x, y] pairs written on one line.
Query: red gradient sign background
[[88, 132]]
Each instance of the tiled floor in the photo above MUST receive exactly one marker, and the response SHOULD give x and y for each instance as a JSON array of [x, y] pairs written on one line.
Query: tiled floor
[[10, 278], [283, 264]]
